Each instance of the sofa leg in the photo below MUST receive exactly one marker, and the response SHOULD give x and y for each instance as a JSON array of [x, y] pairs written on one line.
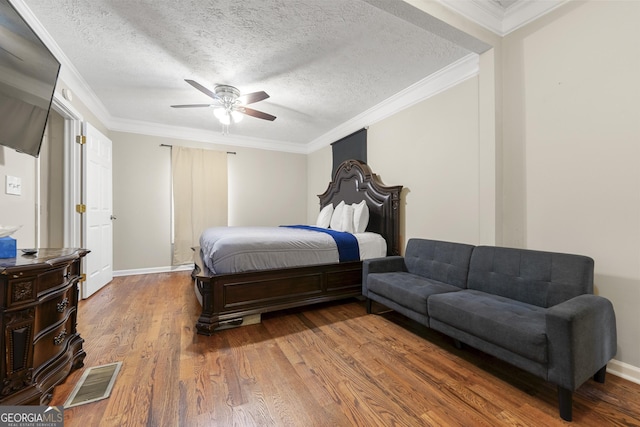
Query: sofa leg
[[458, 344], [368, 305], [599, 376], [565, 403]]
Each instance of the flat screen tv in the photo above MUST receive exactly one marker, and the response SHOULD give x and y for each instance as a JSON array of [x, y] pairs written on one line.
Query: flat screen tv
[[28, 76]]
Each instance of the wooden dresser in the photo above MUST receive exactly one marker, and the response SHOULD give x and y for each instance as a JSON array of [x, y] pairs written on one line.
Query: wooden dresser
[[39, 307]]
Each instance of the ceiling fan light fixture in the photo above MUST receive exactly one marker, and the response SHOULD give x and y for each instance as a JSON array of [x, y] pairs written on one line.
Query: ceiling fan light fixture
[[229, 107]]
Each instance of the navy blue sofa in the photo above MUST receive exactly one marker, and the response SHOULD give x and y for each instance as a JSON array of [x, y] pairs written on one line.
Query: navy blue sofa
[[533, 309]]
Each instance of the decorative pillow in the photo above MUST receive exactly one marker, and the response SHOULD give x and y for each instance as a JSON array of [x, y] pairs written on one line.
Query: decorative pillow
[[336, 218], [360, 216], [347, 219], [324, 217]]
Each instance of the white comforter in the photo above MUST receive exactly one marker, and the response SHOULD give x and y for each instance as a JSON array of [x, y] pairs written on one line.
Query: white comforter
[[238, 249]]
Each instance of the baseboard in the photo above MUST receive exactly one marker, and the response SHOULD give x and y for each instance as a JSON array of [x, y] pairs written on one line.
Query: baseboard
[[153, 270], [624, 370]]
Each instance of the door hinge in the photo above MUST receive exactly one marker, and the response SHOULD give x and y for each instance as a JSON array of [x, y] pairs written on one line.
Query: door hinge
[[81, 208], [83, 278], [81, 139]]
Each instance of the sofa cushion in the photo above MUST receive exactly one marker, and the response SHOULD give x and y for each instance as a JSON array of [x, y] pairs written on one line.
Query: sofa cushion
[[408, 290], [535, 277], [513, 325], [444, 262]]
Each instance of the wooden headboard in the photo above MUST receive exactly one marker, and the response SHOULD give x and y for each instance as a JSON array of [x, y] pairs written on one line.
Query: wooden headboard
[[354, 182]]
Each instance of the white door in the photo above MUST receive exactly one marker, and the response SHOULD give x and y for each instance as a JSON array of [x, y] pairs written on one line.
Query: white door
[[97, 227]]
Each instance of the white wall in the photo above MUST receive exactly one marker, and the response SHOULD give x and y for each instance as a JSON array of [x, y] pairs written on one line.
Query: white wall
[[19, 210], [267, 188], [141, 202], [432, 149], [22, 209], [51, 223], [572, 147], [319, 166]]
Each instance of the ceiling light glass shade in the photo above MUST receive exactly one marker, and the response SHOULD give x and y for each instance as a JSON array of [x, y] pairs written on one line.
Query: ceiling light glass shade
[[225, 119], [236, 116], [220, 113]]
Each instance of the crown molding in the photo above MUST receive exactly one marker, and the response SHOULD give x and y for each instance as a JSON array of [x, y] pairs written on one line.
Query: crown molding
[[440, 81], [498, 19], [201, 135], [524, 12]]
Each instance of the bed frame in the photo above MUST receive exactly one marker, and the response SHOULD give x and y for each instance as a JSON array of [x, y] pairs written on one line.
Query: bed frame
[[230, 300]]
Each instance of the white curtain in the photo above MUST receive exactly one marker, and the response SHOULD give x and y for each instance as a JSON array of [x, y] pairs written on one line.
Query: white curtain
[[199, 197]]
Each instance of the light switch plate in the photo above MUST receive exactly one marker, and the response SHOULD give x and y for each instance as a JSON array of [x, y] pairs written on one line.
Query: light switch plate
[[14, 185]]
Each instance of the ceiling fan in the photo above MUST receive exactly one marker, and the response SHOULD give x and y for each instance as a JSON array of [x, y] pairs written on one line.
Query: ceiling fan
[[229, 105]]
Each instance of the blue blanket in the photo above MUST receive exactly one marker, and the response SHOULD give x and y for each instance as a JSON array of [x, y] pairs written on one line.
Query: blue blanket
[[348, 249]]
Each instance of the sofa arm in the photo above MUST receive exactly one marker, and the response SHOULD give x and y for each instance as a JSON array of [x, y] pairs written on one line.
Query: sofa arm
[[582, 339], [380, 265]]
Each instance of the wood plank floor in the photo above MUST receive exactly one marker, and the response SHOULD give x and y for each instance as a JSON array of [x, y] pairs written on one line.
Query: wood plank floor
[[326, 365]]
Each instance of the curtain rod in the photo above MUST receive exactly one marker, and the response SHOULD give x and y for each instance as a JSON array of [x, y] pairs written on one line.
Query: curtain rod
[[171, 146]]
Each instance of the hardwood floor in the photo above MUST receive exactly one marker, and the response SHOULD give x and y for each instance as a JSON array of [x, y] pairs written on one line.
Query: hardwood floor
[[330, 364]]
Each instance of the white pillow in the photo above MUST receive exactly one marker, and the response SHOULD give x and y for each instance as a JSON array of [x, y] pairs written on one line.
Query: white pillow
[[324, 217], [360, 216], [347, 219], [336, 218]]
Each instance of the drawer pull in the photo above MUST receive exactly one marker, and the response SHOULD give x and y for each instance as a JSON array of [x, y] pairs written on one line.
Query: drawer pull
[[62, 305], [59, 339]]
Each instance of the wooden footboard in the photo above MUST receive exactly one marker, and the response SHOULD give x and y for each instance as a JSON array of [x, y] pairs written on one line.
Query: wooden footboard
[[227, 298]]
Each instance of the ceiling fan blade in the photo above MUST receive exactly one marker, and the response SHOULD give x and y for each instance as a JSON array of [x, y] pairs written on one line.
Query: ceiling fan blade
[[201, 88], [250, 98], [256, 113], [191, 105]]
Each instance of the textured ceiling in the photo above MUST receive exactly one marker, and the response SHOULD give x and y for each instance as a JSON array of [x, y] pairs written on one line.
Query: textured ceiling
[[322, 61]]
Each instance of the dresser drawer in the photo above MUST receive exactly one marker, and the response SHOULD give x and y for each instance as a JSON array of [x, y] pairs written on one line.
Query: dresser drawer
[[27, 289], [55, 309], [53, 342], [53, 279]]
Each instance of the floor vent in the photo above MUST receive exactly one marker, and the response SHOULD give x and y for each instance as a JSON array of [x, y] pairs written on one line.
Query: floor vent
[[96, 384]]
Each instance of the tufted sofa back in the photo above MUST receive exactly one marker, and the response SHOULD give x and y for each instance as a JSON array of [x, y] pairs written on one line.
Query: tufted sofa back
[[534, 277], [446, 262]]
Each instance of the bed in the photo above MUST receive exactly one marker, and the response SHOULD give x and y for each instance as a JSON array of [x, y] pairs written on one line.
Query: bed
[[230, 299]]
